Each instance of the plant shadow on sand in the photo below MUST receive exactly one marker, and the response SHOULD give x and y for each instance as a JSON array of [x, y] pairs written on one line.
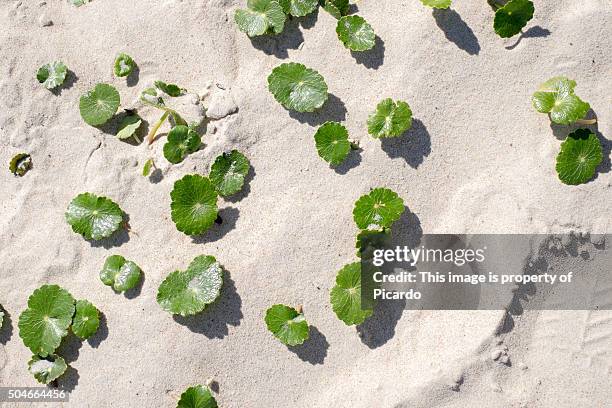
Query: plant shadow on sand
[[333, 110], [379, 328], [313, 350], [353, 159], [373, 58], [413, 146], [456, 30], [226, 221], [290, 39], [533, 32], [6, 331], [215, 320]]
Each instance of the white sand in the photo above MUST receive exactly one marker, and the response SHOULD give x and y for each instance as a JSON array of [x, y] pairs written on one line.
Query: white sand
[[479, 159]]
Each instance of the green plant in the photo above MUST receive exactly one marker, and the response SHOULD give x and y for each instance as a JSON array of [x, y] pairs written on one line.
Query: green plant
[[345, 296], [297, 87], [181, 141], [20, 164], [146, 169], [556, 97], [377, 210], [337, 8], [124, 65], [79, 3], [299, 8], [355, 33], [332, 143], [86, 319], [511, 17], [120, 273], [261, 17], [129, 127], [228, 172], [47, 369], [94, 217], [194, 204], [159, 96], [189, 292], [439, 4], [52, 75], [391, 119], [99, 105], [197, 396], [579, 157], [287, 324]]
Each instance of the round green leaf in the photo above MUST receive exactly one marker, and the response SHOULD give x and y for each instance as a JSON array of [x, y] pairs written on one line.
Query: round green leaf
[[120, 273], [346, 295], [297, 88], [378, 210], [181, 141], [129, 126], [194, 204], [228, 172], [197, 397], [47, 369], [46, 320], [99, 105], [94, 217], [188, 292], [299, 8], [579, 157], [287, 324], [52, 75], [261, 17], [556, 97], [20, 164], [439, 4], [124, 65], [355, 33], [332, 142], [391, 119], [86, 319], [512, 17]]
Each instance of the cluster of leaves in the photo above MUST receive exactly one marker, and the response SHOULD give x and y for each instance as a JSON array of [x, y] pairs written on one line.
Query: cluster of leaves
[[20, 164], [287, 324], [194, 197], [52, 75], [160, 97], [511, 17], [51, 312], [197, 396], [94, 217], [188, 292], [581, 152], [119, 273]]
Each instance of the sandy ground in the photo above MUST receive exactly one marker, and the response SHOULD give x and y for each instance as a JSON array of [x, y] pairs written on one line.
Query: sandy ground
[[478, 159]]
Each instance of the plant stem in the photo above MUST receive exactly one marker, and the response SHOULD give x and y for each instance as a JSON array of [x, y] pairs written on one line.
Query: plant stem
[[586, 121], [151, 136]]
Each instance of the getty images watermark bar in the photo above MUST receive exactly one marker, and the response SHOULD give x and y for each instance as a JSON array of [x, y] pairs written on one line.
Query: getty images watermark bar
[[488, 272], [33, 394]]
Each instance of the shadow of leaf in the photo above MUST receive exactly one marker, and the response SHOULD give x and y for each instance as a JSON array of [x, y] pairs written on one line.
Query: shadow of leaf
[[313, 350], [456, 30], [413, 146]]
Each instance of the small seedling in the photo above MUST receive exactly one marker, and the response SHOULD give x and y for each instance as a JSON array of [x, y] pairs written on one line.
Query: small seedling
[[228, 172], [297, 87], [391, 119], [439, 4], [299, 8], [120, 273], [86, 320], [181, 141], [99, 105], [287, 324], [332, 143], [20, 164], [377, 210], [47, 369], [52, 75], [79, 3], [355, 33], [261, 17], [129, 127], [345, 297], [94, 217], [337, 8], [512, 17], [556, 97], [188, 292], [146, 169], [158, 97], [194, 204], [197, 397], [124, 65], [579, 157]]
